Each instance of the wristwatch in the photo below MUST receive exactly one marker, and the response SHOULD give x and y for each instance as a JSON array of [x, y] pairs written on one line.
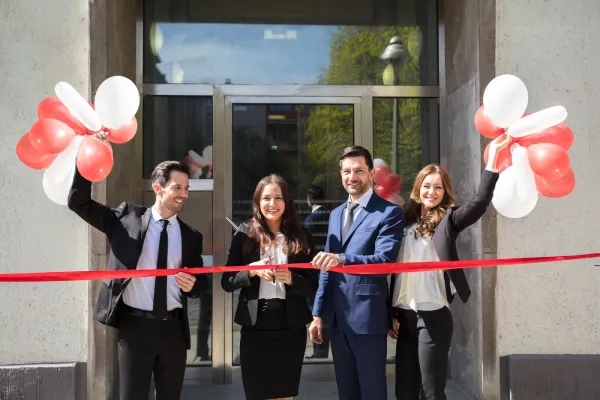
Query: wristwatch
[[342, 258]]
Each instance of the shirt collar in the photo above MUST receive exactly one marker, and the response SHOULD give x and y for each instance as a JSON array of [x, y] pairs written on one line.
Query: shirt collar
[[315, 208], [364, 199], [157, 218]]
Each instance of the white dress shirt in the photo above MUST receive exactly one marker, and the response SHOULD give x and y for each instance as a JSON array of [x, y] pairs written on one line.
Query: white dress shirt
[[419, 291], [362, 202], [140, 291], [274, 290]]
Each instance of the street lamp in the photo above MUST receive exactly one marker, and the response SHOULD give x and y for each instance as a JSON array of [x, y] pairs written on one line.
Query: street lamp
[[395, 54]]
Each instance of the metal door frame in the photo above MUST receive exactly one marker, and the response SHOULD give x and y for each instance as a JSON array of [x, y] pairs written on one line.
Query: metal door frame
[[224, 97], [223, 371]]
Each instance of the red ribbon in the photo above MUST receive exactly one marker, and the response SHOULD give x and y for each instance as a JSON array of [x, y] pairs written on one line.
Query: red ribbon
[[349, 269]]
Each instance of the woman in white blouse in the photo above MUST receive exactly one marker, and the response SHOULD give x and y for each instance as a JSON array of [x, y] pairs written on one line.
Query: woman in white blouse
[[422, 322], [272, 307]]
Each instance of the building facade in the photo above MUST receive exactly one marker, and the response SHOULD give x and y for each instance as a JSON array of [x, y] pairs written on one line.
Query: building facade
[[242, 89]]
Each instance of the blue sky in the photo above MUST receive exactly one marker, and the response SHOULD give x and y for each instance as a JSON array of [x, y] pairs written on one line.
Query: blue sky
[[211, 53]]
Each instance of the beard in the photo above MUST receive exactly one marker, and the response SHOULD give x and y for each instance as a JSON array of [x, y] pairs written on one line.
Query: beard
[[358, 189], [172, 206]]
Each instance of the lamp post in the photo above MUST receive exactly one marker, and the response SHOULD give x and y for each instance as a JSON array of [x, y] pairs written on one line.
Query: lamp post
[[395, 54]]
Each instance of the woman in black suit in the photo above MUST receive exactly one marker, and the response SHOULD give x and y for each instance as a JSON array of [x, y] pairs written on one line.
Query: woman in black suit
[[422, 322], [272, 308]]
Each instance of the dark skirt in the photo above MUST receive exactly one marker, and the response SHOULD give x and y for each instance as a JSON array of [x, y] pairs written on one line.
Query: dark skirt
[[271, 354]]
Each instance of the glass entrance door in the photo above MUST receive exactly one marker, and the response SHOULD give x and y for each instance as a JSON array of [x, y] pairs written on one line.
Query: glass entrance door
[[300, 139]]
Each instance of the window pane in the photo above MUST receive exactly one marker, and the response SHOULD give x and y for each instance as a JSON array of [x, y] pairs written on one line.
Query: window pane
[[178, 128], [302, 143], [206, 43], [416, 136]]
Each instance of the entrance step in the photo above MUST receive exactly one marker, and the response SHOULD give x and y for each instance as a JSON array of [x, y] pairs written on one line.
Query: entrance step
[[308, 390]]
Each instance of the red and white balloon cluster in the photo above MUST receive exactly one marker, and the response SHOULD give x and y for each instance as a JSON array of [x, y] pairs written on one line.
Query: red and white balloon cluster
[[69, 128], [536, 160]]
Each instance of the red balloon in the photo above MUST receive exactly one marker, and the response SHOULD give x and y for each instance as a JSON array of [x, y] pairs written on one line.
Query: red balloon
[[548, 160], [558, 187], [382, 191], [380, 173], [94, 159], [50, 136], [392, 183], [30, 156], [504, 158], [559, 134], [485, 126], [124, 133], [52, 107]]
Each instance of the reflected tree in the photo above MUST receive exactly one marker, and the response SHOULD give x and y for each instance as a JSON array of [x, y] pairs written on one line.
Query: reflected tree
[[355, 58]]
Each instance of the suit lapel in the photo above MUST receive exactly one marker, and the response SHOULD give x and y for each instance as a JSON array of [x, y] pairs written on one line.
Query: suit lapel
[[145, 223], [184, 243], [341, 221]]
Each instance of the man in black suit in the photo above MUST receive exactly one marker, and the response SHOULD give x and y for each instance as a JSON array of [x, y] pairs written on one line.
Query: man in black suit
[[149, 313], [317, 223]]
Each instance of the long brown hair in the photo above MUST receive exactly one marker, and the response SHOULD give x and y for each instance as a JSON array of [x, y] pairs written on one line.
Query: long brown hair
[[426, 225], [290, 223]]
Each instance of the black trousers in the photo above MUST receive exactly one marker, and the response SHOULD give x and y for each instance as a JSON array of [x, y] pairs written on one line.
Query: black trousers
[[422, 354], [149, 346]]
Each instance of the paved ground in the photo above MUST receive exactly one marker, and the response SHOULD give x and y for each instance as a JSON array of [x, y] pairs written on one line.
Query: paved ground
[[308, 390]]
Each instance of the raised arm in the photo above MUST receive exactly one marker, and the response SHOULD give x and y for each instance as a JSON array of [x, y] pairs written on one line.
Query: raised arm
[[470, 213], [98, 215]]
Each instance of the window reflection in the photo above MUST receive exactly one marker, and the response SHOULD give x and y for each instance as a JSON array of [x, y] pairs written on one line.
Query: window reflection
[[182, 48], [178, 128], [415, 135]]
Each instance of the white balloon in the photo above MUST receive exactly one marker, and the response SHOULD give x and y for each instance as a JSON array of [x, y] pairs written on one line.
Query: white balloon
[[77, 106], [117, 101], [378, 162], [505, 100], [538, 121], [509, 201], [58, 178], [207, 154], [505, 187]]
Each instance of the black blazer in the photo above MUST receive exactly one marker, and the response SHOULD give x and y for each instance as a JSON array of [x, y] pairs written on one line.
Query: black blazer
[[454, 222], [125, 228], [304, 282]]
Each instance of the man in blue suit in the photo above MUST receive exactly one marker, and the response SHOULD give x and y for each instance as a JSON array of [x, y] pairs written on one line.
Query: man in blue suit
[[364, 230]]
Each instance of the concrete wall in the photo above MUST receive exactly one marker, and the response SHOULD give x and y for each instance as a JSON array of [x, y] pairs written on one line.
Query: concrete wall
[[553, 308], [469, 62], [41, 44]]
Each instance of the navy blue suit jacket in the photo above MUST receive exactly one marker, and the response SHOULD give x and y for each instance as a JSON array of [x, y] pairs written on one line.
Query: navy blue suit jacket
[[360, 302]]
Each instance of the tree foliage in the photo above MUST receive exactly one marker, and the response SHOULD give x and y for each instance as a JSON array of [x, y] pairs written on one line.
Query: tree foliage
[[355, 59]]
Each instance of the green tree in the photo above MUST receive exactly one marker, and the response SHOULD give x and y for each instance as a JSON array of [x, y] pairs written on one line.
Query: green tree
[[355, 59]]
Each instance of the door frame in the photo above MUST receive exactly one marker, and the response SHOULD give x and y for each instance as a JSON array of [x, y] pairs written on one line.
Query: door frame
[[224, 370], [224, 97]]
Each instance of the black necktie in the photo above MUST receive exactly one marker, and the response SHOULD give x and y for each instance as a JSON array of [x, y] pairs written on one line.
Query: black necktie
[[160, 284], [349, 220]]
